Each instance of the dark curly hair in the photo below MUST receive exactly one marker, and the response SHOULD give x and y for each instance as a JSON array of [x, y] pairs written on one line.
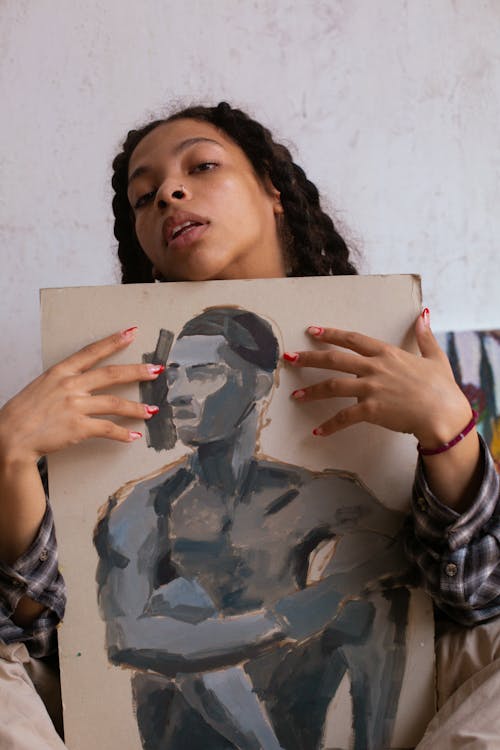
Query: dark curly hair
[[311, 243]]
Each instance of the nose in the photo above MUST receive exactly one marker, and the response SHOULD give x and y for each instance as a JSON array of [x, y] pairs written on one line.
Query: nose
[[180, 392], [171, 191]]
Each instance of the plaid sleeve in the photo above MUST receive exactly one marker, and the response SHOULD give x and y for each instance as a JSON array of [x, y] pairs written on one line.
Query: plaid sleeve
[[34, 574], [459, 555]]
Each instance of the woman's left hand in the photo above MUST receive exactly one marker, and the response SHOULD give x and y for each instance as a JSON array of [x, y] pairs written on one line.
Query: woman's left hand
[[393, 388]]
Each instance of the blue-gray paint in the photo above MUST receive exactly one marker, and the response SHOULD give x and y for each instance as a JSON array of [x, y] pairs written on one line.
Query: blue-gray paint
[[203, 575]]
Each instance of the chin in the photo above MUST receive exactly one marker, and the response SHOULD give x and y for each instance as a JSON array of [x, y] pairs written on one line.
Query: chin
[[192, 437]]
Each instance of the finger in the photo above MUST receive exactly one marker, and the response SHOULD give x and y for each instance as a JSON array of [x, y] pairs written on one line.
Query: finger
[[104, 377], [104, 428], [333, 387], [429, 347], [119, 407], [357, 342], [330, 359], [342, 419], [93, 353]]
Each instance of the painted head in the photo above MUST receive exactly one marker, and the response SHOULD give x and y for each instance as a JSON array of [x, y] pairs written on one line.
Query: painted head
[[221, 364], [208, 193]]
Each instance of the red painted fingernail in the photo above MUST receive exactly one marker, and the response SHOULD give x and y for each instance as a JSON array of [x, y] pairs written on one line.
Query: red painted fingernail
[[291, 356], [155, 369], [315, 330], [134, 436], [318, 431], [152, 409], [298, 394], [426, 315], [128, 333]]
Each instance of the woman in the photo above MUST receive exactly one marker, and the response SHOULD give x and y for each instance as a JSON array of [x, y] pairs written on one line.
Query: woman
[[208, 194]]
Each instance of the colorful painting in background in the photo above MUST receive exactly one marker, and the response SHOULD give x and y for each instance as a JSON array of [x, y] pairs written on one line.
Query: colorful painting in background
[[475, 359]]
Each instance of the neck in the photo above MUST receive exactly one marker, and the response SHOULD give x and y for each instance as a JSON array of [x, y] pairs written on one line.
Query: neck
[[224, 463]]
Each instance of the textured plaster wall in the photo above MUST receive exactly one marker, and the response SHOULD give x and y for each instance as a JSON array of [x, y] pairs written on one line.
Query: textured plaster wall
[[392, 107]]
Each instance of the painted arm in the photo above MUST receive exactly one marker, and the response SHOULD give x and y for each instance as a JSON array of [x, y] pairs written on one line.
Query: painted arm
[[309, 611], [172, 644], [192, 638], [173, 627]]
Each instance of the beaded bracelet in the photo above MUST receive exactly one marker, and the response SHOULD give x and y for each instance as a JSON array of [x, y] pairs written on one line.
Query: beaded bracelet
[[446, 446]]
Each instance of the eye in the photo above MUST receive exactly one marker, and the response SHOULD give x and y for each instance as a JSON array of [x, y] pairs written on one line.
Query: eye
[[172, 373], [143, 200], [205, 166]]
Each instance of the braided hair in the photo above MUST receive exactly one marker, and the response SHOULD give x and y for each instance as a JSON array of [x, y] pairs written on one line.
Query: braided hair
[[311, 243]]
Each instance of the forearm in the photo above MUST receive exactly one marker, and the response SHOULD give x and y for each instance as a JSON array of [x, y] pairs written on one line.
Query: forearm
[[457, 553], [455, 475], [22, 505], [170, 646]]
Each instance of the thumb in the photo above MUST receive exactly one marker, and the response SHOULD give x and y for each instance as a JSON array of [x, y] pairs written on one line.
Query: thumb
[[429, 347]]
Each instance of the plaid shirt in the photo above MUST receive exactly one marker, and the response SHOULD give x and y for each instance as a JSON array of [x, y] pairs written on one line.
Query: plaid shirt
[[34, 574], [459, 555]]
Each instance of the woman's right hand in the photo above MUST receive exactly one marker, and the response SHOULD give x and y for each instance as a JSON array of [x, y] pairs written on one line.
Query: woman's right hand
[[64, 405]]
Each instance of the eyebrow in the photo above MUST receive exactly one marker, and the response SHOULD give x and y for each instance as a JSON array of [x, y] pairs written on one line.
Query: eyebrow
[[179, 148]]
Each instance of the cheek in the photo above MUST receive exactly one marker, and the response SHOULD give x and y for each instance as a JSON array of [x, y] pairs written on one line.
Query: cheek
[[143, 231]]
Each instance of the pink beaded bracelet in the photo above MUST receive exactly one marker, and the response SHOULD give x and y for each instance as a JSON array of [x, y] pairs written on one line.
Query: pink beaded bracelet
[[451, 443]]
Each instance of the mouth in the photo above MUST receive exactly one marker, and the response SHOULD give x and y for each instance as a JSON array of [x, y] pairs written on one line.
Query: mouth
[[181, 229], [183, 414]]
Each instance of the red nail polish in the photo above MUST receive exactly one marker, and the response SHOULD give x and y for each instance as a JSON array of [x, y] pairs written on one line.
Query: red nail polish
[[318, 431], [426, 315], [134, 435], [152, 409], [129, 332], [291, 356], [298, 394], [315, 330], [156, 369]]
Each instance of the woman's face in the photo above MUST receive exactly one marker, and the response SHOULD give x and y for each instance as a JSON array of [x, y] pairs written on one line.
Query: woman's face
[[200, 211]]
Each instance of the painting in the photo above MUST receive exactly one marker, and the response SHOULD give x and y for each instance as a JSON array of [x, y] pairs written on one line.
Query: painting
[[475, 360], [244, 593]]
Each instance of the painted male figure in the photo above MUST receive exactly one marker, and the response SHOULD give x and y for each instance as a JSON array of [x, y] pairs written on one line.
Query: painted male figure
[[241, 589]]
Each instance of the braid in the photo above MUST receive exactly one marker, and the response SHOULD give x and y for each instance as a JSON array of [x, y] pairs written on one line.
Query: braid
[[135, 265], [311, 243]]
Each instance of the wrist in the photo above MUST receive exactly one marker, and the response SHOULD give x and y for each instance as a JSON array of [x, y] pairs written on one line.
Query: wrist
[[444, 421], [426, 450], [14, 455]]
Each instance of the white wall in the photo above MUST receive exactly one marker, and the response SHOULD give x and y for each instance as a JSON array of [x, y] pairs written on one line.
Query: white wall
[[392, 106]]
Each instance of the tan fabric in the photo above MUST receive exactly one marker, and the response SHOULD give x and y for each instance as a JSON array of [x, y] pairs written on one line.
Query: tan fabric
[[24, 721], [468, 684]]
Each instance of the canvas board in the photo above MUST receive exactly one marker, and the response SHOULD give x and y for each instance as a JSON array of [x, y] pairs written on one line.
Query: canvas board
[[99, 710]]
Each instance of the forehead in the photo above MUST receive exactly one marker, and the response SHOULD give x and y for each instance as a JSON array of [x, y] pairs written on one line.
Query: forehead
[[198, 350], [165, 139]]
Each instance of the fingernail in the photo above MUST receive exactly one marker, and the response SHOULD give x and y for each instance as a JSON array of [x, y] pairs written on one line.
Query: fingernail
[[298, 394], [426, 316], [134, 436], [152, 409], [129, 333], [315, 330], [318, 431], [155, 369], [291, 356]]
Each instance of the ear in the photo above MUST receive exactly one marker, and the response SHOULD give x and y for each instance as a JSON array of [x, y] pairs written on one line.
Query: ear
[[263, 383], [275, 194], [277, 207]]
